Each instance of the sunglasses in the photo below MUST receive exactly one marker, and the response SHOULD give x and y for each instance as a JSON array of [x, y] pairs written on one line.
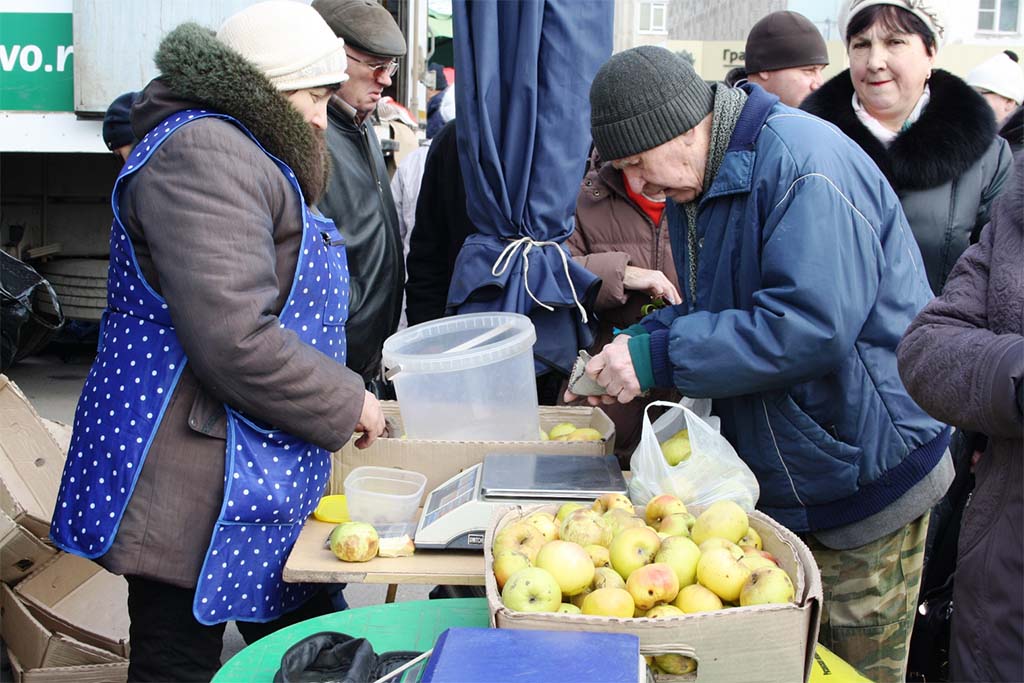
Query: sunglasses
[[379, 69]]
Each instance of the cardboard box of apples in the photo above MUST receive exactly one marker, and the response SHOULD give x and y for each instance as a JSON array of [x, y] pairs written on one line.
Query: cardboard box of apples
[[714, 594]]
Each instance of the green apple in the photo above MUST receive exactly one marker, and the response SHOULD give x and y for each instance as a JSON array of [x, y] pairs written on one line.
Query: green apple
[[545, 522], [652, 584], [767, 586], [718, 542], [532, 590], [585, 527], [569, 608], [662, 611], [506, 563], [565, 509], [354, 542], [751, 538], [722, 574], [598, 555], [521, 536], [613, 501], [677, 448], [561, 429], [569, 563], [609, 602], [675, 665], [584, 434], [676, 524], [619, 519], [606, 577], [632, 549], [682, 555]]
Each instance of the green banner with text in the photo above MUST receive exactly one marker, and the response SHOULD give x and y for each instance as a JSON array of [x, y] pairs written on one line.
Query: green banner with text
[[36, 62]]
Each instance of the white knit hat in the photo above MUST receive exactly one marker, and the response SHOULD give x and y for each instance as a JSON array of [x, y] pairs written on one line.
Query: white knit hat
[[1001, 75], [925, 10], [289, 42]]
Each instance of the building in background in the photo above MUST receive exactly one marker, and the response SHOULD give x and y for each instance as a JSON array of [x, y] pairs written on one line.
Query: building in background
[[714, 32]]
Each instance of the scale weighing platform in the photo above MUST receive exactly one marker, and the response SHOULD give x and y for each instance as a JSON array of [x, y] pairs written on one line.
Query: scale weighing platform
[[457, 513]]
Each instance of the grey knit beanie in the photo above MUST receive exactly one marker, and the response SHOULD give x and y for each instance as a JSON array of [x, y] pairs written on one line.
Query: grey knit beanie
[[642, 98]]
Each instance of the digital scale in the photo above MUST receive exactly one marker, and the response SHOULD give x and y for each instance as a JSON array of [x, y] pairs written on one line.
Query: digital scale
[[457, 512]]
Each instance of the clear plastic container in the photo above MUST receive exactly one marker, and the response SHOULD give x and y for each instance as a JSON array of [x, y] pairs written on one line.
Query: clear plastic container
[[383, 495], [466, 378]]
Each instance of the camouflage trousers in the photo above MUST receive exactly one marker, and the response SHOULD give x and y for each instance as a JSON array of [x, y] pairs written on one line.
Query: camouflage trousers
[[870, 598]]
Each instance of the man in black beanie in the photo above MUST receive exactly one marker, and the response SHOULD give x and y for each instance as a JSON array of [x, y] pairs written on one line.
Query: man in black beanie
[[785, 55], [117, 129], [799, 274]]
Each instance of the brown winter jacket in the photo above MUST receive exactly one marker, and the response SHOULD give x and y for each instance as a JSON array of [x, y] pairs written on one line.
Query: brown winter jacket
[[962, 360], [216, 228], [611, 233]]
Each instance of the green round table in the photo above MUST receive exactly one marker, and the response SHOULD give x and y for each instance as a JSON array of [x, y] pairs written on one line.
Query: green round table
[[411, 625]]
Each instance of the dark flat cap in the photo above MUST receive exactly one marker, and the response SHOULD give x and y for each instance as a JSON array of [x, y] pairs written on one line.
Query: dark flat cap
[[117, 130], [364, 24]]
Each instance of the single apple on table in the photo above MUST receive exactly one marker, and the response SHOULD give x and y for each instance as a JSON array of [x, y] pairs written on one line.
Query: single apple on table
[[532, 590], [354, 542], [632, 549], [569, 563]]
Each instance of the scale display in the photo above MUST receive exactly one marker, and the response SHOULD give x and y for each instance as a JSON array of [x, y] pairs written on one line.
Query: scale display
[[456, 514]]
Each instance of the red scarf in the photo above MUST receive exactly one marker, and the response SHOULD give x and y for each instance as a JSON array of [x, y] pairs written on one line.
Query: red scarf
[[652, 208]]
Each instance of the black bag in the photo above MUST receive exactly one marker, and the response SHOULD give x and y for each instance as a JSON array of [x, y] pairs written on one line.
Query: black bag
[[330, 656], [24, 329]]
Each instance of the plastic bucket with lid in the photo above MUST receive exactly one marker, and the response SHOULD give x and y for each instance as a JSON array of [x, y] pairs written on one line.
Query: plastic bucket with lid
[[466, 378]]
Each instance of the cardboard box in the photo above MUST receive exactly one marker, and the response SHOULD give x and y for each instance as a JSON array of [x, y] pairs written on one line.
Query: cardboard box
[[441, 460], [31, 462], [21, 552], [38, 653], [764, 643], [76, 597]]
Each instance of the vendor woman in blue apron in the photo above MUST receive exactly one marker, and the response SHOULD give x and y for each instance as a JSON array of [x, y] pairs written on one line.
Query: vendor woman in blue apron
[[202, 437]]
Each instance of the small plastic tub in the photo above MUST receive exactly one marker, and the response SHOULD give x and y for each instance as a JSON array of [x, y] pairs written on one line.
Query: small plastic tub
[[383, 495]]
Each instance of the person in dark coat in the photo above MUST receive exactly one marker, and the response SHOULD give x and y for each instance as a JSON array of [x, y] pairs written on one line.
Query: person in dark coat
[[117, 127], [962, 360], [358, 197], [930, 133]]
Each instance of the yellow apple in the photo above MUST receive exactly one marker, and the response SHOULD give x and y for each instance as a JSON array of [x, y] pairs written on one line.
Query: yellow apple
[[675, 665], [609, 602], [532, 590], [569, 563], [584, 434], [506, 563], [677, 448], [545, 522], [632, 549], [719, 542], [682, 555], [675, 525], [566, 509], [662, 506], [585, 527], [619, 519], [751, 538], [663, 611], [753, 562], [767, 586], [696, 598], [569, 608], [724, 519], [521, 536], [722, 574], [652, 584], [598, 555], [613, 501], [606, 577], [561, 429]]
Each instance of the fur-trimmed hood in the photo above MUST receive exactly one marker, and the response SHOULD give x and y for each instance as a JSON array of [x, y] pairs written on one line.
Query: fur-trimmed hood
[[953, 132], [198, 70]]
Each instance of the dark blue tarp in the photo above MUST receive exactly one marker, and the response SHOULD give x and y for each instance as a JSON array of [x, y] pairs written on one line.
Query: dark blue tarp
[[524, 70]]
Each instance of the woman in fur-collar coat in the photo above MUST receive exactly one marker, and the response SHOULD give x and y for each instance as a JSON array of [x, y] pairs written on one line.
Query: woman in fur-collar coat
[[930, 133]]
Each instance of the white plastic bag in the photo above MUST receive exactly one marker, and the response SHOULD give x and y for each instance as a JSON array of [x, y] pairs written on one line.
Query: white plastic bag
[[712, 472]]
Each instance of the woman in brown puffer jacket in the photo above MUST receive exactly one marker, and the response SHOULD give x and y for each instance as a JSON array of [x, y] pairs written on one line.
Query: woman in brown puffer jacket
[[622, 238]]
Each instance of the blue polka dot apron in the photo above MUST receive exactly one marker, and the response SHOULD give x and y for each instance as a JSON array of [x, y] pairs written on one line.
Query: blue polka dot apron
[[273, 480]]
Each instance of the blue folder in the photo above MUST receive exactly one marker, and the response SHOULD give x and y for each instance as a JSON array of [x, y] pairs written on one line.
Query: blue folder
[[474, 655]]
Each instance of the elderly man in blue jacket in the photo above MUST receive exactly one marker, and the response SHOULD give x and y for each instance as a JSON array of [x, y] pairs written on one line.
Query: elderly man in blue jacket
[[800, 275]]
